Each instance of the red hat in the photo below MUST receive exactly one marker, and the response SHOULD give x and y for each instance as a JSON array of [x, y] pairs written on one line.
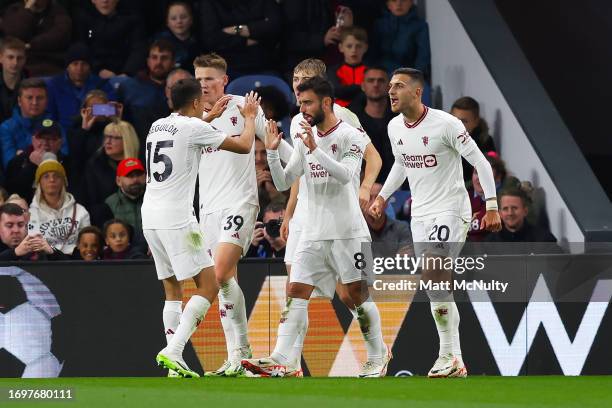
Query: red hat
[[126, 166]]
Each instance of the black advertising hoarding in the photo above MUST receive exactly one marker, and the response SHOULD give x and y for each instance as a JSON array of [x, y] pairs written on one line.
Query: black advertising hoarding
[[81, 319]]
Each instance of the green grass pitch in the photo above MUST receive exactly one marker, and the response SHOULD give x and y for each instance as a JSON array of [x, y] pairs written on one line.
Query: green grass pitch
[[411, 392]]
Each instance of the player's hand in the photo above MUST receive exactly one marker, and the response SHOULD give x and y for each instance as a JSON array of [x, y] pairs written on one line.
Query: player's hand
[[258, 234], [218, 108], [364, 197], [251, 105], [307, 136], [284, 228], [377, 207], [273, 138], [491, 221]]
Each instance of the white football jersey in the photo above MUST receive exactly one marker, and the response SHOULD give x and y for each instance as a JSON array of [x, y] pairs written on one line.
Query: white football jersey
[[430, 151], [347, 117], [174, 146], [332, 210], [228, 179]]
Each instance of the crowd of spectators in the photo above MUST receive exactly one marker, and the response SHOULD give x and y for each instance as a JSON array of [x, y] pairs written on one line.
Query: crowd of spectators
[[81, 82]]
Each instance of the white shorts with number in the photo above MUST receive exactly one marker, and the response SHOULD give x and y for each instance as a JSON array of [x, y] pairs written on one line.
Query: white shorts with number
[[442, 235], [233, 225], [295, 232], [178, 252], [323, 263]]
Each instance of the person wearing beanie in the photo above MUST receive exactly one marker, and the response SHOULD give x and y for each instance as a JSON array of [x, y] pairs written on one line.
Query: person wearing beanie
[[67, 90], [21, 169], [54, 213]]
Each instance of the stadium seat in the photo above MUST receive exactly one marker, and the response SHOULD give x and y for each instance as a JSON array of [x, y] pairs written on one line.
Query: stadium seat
[[244, 84]]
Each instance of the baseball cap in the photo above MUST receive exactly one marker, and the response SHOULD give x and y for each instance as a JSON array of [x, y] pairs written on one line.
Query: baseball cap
[[47, 127], [126, 166]]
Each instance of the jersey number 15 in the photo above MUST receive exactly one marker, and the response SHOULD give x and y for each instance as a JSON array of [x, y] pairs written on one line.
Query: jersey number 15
[[159, 157]]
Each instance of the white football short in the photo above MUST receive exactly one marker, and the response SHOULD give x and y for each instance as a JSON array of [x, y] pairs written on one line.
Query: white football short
[[178, 252], [443, 235], [295, 232], [323, 263], [233, 225]]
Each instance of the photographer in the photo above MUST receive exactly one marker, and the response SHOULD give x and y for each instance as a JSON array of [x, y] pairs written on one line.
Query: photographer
[[267, 242]]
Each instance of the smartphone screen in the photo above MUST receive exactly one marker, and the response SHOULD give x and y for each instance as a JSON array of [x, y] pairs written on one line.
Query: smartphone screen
[[103, 109]]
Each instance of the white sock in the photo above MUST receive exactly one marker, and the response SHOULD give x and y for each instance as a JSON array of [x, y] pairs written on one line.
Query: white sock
[[298, 347], [226, 323], [230, 294], [294, 319], [442, 313], [194, 312], [369, 323], [456, 339], [171, 315]]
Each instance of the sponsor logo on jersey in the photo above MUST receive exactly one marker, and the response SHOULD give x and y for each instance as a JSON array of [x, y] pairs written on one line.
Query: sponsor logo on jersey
[[417, 161], [400, 143], [209, 149], [235, 235], [464, 137], [317, 171], [234, 120], [425, 140]]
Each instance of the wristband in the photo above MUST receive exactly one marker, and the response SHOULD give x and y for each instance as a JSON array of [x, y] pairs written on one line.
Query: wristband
[[492, 205]]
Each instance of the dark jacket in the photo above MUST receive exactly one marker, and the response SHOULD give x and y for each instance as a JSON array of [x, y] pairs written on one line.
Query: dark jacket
[[99, 180], [126, 209], [65, 99], [8, 255], [8, 97], [263, 17], [131, 252], [20, 174], [48, 34], [529, 239], [184, 51], [117, 42], [401, 42], [484, 141], [264, 250]]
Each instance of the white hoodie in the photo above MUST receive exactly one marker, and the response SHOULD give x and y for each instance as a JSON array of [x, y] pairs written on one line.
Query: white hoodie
[[56, 226]]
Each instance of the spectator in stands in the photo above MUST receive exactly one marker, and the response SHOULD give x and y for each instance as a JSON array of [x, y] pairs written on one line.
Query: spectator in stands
[[90, 244], [67, 91], [21, 202], [244, 32], [143, 117], [374, 113], [16, 132], [267, 191], [389, 237], [120, 142], [275, 106], [348, 76], [477, 197], [12, 59], [401, 38], [45, 28], [54, 212], [467, 110], [3, 195], [16, 244], [179, 31], [116, 39], [513, 208], [267, 242], [311, 31], [21, 170], [118, 237]]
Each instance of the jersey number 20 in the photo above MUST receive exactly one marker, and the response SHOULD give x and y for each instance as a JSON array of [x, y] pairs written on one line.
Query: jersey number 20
[[159, 157]]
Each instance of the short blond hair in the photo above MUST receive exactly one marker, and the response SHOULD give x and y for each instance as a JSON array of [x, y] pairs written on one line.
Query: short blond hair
[[314, 65], [131, 144], [212, 60]]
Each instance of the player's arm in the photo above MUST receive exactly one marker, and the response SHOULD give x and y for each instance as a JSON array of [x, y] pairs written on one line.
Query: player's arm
[[217, 109], [244, 143], [372, 168], [282, 177], [290, 209], [284, 149], [394, 180]]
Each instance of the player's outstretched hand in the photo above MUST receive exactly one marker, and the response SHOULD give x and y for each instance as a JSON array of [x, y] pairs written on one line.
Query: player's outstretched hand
[[307, 136], [377, 207], [273, 138], [251, 105], [218, 108], [284, 229], [491, 221], [364, 197]]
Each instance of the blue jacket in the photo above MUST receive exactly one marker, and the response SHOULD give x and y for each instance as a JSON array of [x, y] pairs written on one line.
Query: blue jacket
[[65, 99], [16, 134], [401, 42]]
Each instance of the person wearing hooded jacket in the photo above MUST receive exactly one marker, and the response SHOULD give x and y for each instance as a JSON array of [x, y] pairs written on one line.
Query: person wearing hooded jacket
[[54, 212]]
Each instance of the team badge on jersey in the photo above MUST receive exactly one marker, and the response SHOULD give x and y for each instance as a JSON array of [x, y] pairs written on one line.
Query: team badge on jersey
[[334, 148], [425, 140], [234, 120]]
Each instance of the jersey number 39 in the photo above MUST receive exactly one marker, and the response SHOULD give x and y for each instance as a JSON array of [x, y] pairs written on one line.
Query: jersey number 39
[[159, 157]]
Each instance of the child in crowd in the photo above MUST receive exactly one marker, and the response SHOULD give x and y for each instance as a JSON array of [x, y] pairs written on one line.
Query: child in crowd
[[118, 238], [348, 76], [89, 244]]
